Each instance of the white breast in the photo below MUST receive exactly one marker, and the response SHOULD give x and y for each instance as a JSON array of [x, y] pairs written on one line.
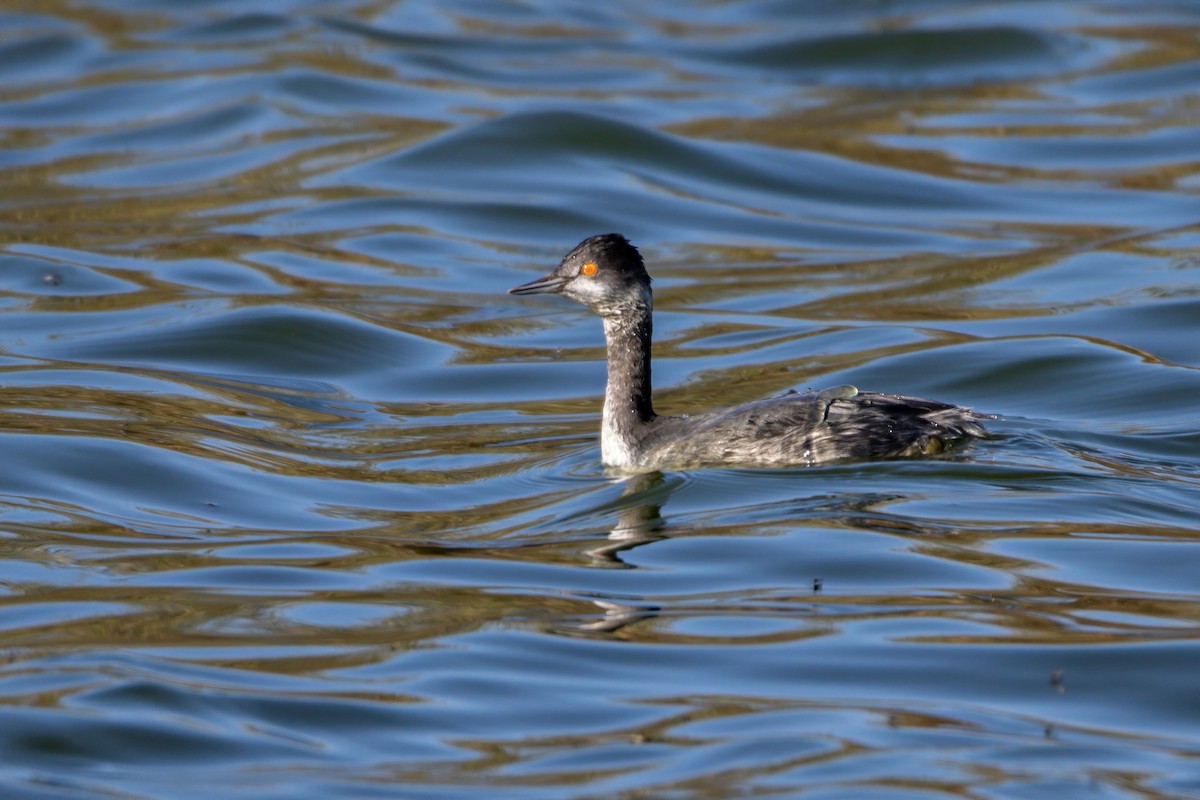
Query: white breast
[[614, 451]]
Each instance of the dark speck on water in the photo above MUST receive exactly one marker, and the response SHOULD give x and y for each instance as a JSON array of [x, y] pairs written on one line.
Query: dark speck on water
[[296, 502]]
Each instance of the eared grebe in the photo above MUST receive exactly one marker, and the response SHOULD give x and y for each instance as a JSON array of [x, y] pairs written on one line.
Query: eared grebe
[[607, 275]]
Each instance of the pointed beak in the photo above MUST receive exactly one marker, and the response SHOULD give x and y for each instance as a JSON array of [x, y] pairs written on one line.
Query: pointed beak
[[551, 283]]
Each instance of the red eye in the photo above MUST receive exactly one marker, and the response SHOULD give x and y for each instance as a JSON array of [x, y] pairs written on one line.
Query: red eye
[[588, 268]]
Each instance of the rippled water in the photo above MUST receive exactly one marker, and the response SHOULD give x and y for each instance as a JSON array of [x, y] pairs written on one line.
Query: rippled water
[[295, 502]]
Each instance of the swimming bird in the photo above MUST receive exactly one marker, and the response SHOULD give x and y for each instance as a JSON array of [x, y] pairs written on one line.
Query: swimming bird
[[606, 273]]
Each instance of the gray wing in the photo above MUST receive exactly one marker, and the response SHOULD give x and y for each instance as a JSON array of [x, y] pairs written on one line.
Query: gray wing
[[876, 425]]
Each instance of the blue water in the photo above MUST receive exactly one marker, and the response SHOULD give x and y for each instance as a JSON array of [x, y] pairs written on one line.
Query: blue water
[[296, 502]]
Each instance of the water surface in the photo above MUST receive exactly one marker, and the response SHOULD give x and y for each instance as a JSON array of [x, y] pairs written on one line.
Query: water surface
[[297, 502]]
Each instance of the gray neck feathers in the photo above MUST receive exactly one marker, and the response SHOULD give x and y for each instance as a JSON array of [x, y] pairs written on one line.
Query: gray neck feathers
[[627, 404]]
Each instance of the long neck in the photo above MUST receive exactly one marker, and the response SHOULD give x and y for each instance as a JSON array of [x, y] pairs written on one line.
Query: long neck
[[627, 404]]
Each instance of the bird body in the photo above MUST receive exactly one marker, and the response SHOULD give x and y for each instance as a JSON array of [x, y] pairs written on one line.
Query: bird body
[[607, 274]]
